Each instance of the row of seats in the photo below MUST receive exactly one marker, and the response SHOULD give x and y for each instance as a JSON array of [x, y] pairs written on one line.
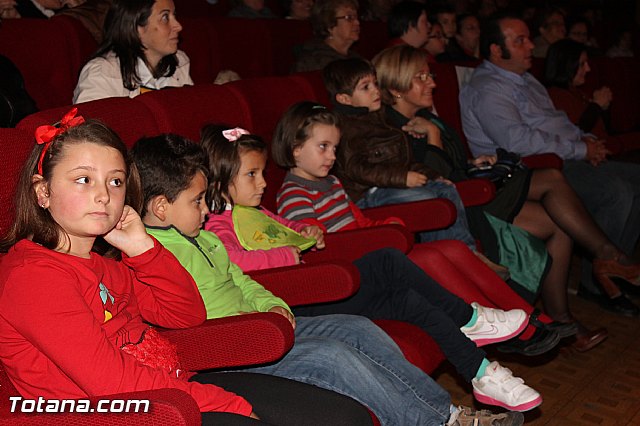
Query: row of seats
[[255, 104], [51, 53]]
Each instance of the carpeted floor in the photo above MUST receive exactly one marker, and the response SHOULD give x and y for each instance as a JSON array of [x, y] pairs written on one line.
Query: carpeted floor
[[599, 387]]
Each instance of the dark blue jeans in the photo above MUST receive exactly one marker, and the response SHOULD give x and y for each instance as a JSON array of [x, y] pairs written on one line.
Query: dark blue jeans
[[393, 287], [350, 355], [459, 230]]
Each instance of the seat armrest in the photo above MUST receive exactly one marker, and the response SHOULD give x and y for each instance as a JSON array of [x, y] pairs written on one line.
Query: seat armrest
[[418, 216], [308, 284], [353, 244], [543, 161], [476, 192], [235, 341]]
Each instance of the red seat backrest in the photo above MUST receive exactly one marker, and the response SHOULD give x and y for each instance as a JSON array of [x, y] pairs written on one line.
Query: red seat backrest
[[186, 110], [373, 38], [621, 75], [42, 52], [314, 80], [284, 35], [199, 41], [445, 96], [130, 119], [15, 147], [244, 46], [268, 98], [80, 41]]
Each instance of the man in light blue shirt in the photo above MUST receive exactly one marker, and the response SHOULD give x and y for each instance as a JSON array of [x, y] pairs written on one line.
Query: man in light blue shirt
[[505, 106]]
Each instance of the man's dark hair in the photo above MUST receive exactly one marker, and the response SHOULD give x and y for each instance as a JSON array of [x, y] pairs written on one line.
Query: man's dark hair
[[167, 163], [342, 76], [403, 16], [492, 34]]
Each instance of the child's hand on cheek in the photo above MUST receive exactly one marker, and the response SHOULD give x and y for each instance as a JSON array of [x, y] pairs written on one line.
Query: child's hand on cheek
[[315, 232], [129, 235], [288, 315]]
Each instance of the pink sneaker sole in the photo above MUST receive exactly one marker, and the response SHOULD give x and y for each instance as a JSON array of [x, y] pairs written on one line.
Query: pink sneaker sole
[[489, 341], [522, 407]]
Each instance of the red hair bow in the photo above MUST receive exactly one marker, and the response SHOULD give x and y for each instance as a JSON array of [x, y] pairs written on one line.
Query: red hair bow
[[46, 134]]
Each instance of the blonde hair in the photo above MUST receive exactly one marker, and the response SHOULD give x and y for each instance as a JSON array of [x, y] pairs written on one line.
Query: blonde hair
[[396, 66]]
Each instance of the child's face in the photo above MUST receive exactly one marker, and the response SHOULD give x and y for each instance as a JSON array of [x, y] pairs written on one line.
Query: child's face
[[366, 94], [249, 184], [316, 156], [86, 192], [187, 213], [448, 22]]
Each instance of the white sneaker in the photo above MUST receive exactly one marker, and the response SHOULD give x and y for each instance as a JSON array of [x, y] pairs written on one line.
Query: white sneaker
[[499, 387], [495, 325]]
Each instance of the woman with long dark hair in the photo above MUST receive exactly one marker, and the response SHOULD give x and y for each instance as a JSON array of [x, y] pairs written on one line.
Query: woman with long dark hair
[[139, 53]]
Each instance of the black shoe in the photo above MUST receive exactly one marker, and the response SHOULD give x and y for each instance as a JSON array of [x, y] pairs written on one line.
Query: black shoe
[[542, 341], [620, 305], [564, 329]]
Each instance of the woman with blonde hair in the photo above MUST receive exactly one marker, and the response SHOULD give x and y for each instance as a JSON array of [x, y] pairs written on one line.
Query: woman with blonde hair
[[539, 201]]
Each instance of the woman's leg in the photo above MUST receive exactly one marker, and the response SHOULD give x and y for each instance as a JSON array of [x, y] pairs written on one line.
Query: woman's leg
[[352, 356], [534, 219], [282, 402], [560, 201]]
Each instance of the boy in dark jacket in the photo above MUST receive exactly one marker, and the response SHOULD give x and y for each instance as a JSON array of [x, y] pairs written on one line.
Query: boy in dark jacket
[[374, 162]]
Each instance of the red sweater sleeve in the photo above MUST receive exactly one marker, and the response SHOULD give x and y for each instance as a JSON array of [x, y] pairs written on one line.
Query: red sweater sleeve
[[60, 349], [167, 294]]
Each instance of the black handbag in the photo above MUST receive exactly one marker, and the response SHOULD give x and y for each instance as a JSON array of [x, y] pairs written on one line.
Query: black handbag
[[506, 165]]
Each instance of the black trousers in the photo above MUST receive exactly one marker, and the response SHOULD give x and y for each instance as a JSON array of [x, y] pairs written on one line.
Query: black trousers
[[283, 402], [393, 287]]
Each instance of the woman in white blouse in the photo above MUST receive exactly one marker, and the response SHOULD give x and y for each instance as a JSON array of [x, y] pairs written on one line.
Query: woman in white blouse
[[139, 53]]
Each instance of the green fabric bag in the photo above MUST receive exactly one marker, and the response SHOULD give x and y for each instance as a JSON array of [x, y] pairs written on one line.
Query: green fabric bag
[[257, 231], [525, 255]]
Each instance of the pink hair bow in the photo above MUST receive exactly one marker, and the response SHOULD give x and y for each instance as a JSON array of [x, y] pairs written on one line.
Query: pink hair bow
[[46, 134], [232, 135]]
